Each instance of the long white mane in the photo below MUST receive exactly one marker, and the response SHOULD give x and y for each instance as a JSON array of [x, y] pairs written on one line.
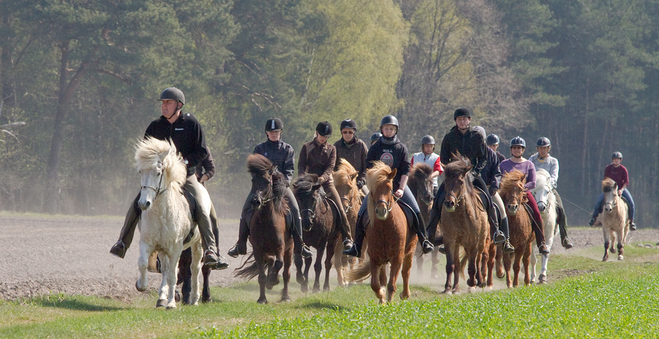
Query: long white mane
[[150, 152]]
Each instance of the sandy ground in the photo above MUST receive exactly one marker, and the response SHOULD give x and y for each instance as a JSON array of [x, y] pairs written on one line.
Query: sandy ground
[[70, 255]]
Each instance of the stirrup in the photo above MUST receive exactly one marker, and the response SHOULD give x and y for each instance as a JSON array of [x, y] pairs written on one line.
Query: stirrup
[[498, 237], [306, 251], [427, 247], [353, 252], [348, 244]]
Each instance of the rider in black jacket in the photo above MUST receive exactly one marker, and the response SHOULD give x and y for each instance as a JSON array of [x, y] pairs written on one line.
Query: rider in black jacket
[[188, 137]]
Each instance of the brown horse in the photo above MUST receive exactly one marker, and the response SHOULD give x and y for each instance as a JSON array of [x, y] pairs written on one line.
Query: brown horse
[[463, 224], [420, 183], [613, 218], [389, 238], [345, 181], [271, 241], [319, 222], [521, 234]]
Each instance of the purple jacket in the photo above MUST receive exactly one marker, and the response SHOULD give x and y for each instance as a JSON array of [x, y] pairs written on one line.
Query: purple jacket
[[525, 167]]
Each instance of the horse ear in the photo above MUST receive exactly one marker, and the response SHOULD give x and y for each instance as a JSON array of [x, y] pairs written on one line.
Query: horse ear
[[392, 174], [353, 176]]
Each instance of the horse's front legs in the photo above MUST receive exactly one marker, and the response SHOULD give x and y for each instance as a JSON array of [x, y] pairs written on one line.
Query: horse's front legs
[[196, 269], [449, 267], [286, 274], [168, 286], [328, 266], [303, 278], [606, 243], [525, 261], [375, 282], [543, 269], [318, 268], [407, 268], [457, 269], [394, 270], [516, 267], [142, 262], [621, 245]]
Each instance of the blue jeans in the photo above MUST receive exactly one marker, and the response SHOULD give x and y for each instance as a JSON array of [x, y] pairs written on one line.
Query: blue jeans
[[625, 194]]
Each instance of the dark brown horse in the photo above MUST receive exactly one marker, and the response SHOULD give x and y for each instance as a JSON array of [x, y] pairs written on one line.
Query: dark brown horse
[[345, 181], [272, 243], [521, 234], [319, 224], [420, 183], [463, 224], [389, 238]]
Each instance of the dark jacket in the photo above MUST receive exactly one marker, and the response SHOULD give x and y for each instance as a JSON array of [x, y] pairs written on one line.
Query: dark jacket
[[470, 144], [317, 159], [354, 153], [187, 135], [279, 153], [491, 173], [394, 154], [207, 167]]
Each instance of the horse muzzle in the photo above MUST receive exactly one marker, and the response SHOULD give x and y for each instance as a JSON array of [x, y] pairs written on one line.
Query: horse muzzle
[[449, 205], [542, 207], [381, 212], [512, 209]]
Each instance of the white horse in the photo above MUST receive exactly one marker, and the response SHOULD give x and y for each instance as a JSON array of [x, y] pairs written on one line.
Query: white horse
[[613, 218], [547, 205], [166, 219]]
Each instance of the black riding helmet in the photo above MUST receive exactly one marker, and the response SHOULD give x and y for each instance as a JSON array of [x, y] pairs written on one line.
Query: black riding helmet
[[461, 112], [517, 141], [542, 142], [348, 123], [427, 140], [389, 120], [492, 139], [324, 129], [375, 136], [173, 93], [273, 124], [616, 155]]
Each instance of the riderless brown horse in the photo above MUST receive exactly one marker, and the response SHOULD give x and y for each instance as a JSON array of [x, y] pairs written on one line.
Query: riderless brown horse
[[420, 183], [464, 223], [345, 181], [389, 238], [272, 243], [319, 223], [521, 234]]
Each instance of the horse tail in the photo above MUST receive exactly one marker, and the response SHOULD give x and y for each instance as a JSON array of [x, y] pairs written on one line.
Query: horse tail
[[360, 272], [248, 272]]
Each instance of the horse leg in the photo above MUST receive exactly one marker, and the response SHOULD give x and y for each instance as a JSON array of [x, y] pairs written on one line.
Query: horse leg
[[506, 266], [196, 269], [171, 277], [299, 277], [606, 243], [163, 291], [339, 263], [499, 262], [620, 245], [286, 274], [328, 266], [304, 285], [525, 261], [517, 265], [375, 282], [262, 281], [407, 268], [435, 261], [419, 261], [273, 271], [185, 274], [613, 241], [142, 263], [457, 269], [492, 254], [394, 270], [471, 269], [449, 267], [318, 268], [543, 269], [534, 260], [206, 290]]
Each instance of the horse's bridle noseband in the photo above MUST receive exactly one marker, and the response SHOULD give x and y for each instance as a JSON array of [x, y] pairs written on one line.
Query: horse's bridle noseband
[[157, 189]]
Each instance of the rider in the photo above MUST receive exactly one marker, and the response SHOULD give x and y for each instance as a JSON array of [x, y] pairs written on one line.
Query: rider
[[430, 158], [375, 137], [352, 149], [392, 152], [471, 144], [517, 162], [493, 144], [618, 173], [281, 155], [206, 169], [318, 157], [186, 134], [492, 177], [543, 160]]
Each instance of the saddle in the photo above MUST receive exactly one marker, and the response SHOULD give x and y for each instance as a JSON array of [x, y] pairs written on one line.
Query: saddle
[[529, 210]]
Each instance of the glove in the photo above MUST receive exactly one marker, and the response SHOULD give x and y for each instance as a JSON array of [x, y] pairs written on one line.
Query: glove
[[493, 190], [360, 183], [320, 181]]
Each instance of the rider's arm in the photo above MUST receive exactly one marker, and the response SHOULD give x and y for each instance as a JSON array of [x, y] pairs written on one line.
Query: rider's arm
[[530, 176], [289, 164], [401, 186], [553, 172], [329, 166], [302, 161]]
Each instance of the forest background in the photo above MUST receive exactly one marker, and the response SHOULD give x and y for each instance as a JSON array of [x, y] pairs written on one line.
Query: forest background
[[80, 79]]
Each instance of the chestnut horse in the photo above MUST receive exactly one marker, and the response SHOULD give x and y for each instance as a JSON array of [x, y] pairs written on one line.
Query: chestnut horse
[[420, 183], [521, 234], [464, 223], [389, 238], [345, 181], [613, 218], [319, 224], [272, 244]]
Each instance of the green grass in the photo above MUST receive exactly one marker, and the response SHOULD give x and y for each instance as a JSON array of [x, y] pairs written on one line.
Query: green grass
[[587, 298]]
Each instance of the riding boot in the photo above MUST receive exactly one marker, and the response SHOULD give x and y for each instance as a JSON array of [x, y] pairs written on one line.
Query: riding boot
[[539, 237], [298, 241], [360, 233], [344, 226], [562, 227], [435, 217], [128, 230], [426, 245], [505, 228], [243, 233], [497, 236]]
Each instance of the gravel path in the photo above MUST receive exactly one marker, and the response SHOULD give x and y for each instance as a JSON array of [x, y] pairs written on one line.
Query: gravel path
[[70, 255]]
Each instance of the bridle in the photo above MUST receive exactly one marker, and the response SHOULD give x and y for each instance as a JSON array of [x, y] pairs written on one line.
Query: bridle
[[389, 205], [158, 189]]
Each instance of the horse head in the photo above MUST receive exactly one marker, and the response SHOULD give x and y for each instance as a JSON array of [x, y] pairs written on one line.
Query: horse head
[[345, 182], [458, 182], [512, 190], [160, 168], [542, 190], [611, 197], [305, 189], [379, 180], [263, 172], [421, 183]]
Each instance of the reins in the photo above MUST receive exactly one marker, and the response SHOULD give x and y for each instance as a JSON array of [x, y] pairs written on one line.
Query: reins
[[158, 189]]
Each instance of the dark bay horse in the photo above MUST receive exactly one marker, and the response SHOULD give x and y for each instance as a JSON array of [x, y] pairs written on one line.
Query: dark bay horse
[[464, 223], [319, 224], [521, 234], [345, 181], [272, 243], [420, 183], [389, 238]]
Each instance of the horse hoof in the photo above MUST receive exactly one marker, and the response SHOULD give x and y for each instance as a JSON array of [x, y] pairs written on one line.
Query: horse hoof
[[137, 286], [447, 292], [171, 307], [206, 299], [620, 257], [177, 296], [262, 301], [316, 289], [300, 279], [161, 303], [304, 288], [326, 289], [285, 299], [542, 279]]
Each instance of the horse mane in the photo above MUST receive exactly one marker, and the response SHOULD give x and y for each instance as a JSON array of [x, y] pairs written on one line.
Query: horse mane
[[304, 183], [377, 175], [542, 177], [608, 185], [343, 173], [420, 171], [259, 166], [511, 180], [150, 151], [457, 167]]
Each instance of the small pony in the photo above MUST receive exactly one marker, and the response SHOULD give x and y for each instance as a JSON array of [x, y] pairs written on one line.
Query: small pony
[[613, 218], [345, 181], [521, 234], [389, 238], [547, 204], [464, 223], [319, 224], [166, 219], [272, 244], [420, 183]]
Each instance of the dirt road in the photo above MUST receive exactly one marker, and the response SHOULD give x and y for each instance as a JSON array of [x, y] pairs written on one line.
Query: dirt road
[[70, 255]]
